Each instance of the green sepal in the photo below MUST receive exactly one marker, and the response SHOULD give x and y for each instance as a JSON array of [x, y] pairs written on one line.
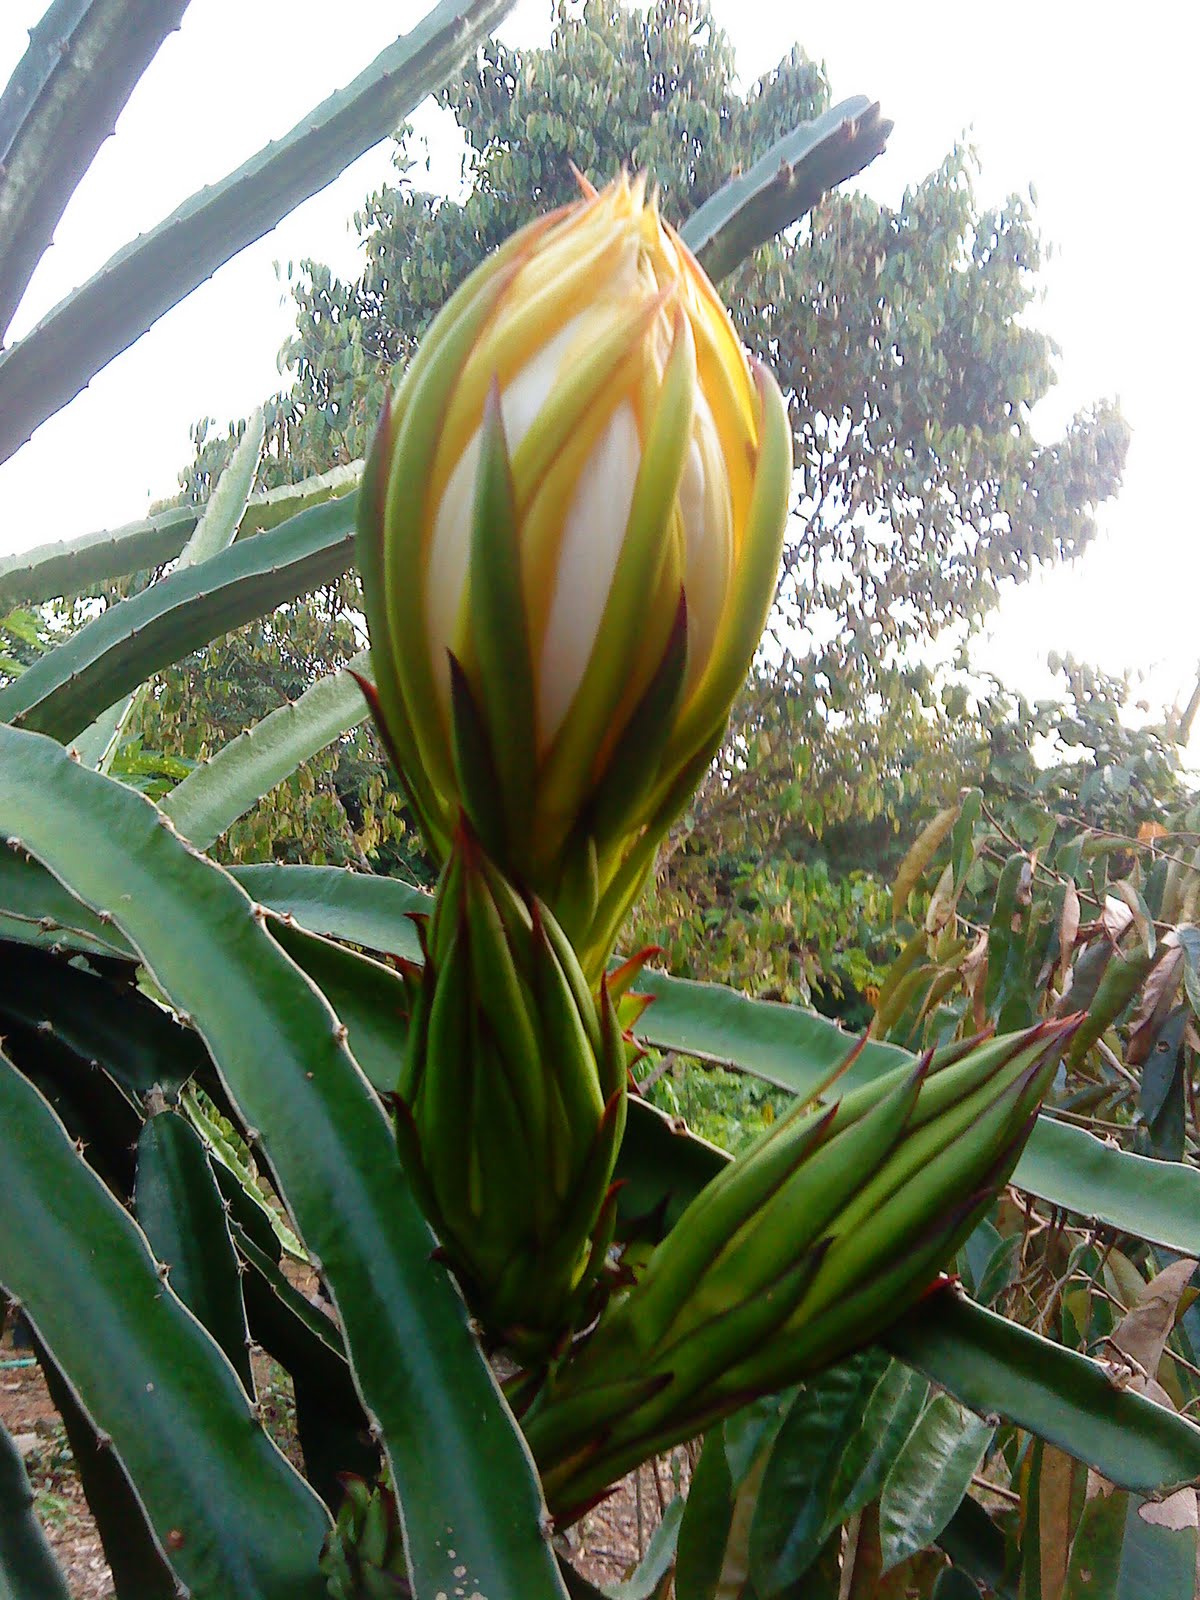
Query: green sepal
[[475, 763], [568, 1056], [504, 998], [426, 392], [637, 757]]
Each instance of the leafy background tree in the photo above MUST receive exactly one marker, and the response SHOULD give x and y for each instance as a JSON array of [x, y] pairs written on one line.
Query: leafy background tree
[[903, 339]]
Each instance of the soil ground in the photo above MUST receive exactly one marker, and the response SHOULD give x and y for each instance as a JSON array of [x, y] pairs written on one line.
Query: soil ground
[[604, 1546]]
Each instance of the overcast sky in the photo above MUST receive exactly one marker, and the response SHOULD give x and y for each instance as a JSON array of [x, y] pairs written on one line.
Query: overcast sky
[[1092, 103]]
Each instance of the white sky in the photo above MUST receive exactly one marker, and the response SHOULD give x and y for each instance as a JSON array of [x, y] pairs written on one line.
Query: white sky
[[1093, 103]]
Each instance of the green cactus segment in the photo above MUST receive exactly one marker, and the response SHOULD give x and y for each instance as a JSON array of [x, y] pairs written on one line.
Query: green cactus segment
[[105, 1023], [333, 1430], [60, 105], [369, 998], [375, 913], [797, 1253], [993, 1365], [462, 1473], [787, 181], [180, 1210], [223, 788], [97, 744], [79, 566], [28, 1570], [68, 687], [134, 1558], [36, 910], [47, 368], [511, 1107], [235, 1516]]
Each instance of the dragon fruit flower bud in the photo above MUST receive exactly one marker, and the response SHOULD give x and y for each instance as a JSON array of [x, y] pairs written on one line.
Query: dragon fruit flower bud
[[569, 536]]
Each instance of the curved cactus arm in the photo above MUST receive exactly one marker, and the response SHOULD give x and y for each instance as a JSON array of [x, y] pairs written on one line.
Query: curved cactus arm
[[333, 1429], [180, 1210], [59, 106], [220, 790], [75, 566], [784, 183], [993, 1365], [28, 1570], [368, 997], [373, 912], [138, 1567], [461, 1469], [134, 1041], [219, 1495], [49, 367], [216, 530], [78, 566], [66, 688]]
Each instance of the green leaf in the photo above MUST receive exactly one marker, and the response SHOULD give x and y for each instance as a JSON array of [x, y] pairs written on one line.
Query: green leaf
[[83, 61], [707, 1516], [220, 790], [461, 1470], [1094, 1570], [154, 1381], [47, 368], [794, 1507], [930, 1477], [658, 1560], [1157, 1558], [180, 1210], [913, 867], [28, 1570], [64, 690], [992, 1365], [784, 183], [887, 1420], [975, 1544]]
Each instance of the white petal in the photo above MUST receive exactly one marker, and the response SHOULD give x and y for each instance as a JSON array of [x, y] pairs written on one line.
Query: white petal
[[592, 542], [525, 394]]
